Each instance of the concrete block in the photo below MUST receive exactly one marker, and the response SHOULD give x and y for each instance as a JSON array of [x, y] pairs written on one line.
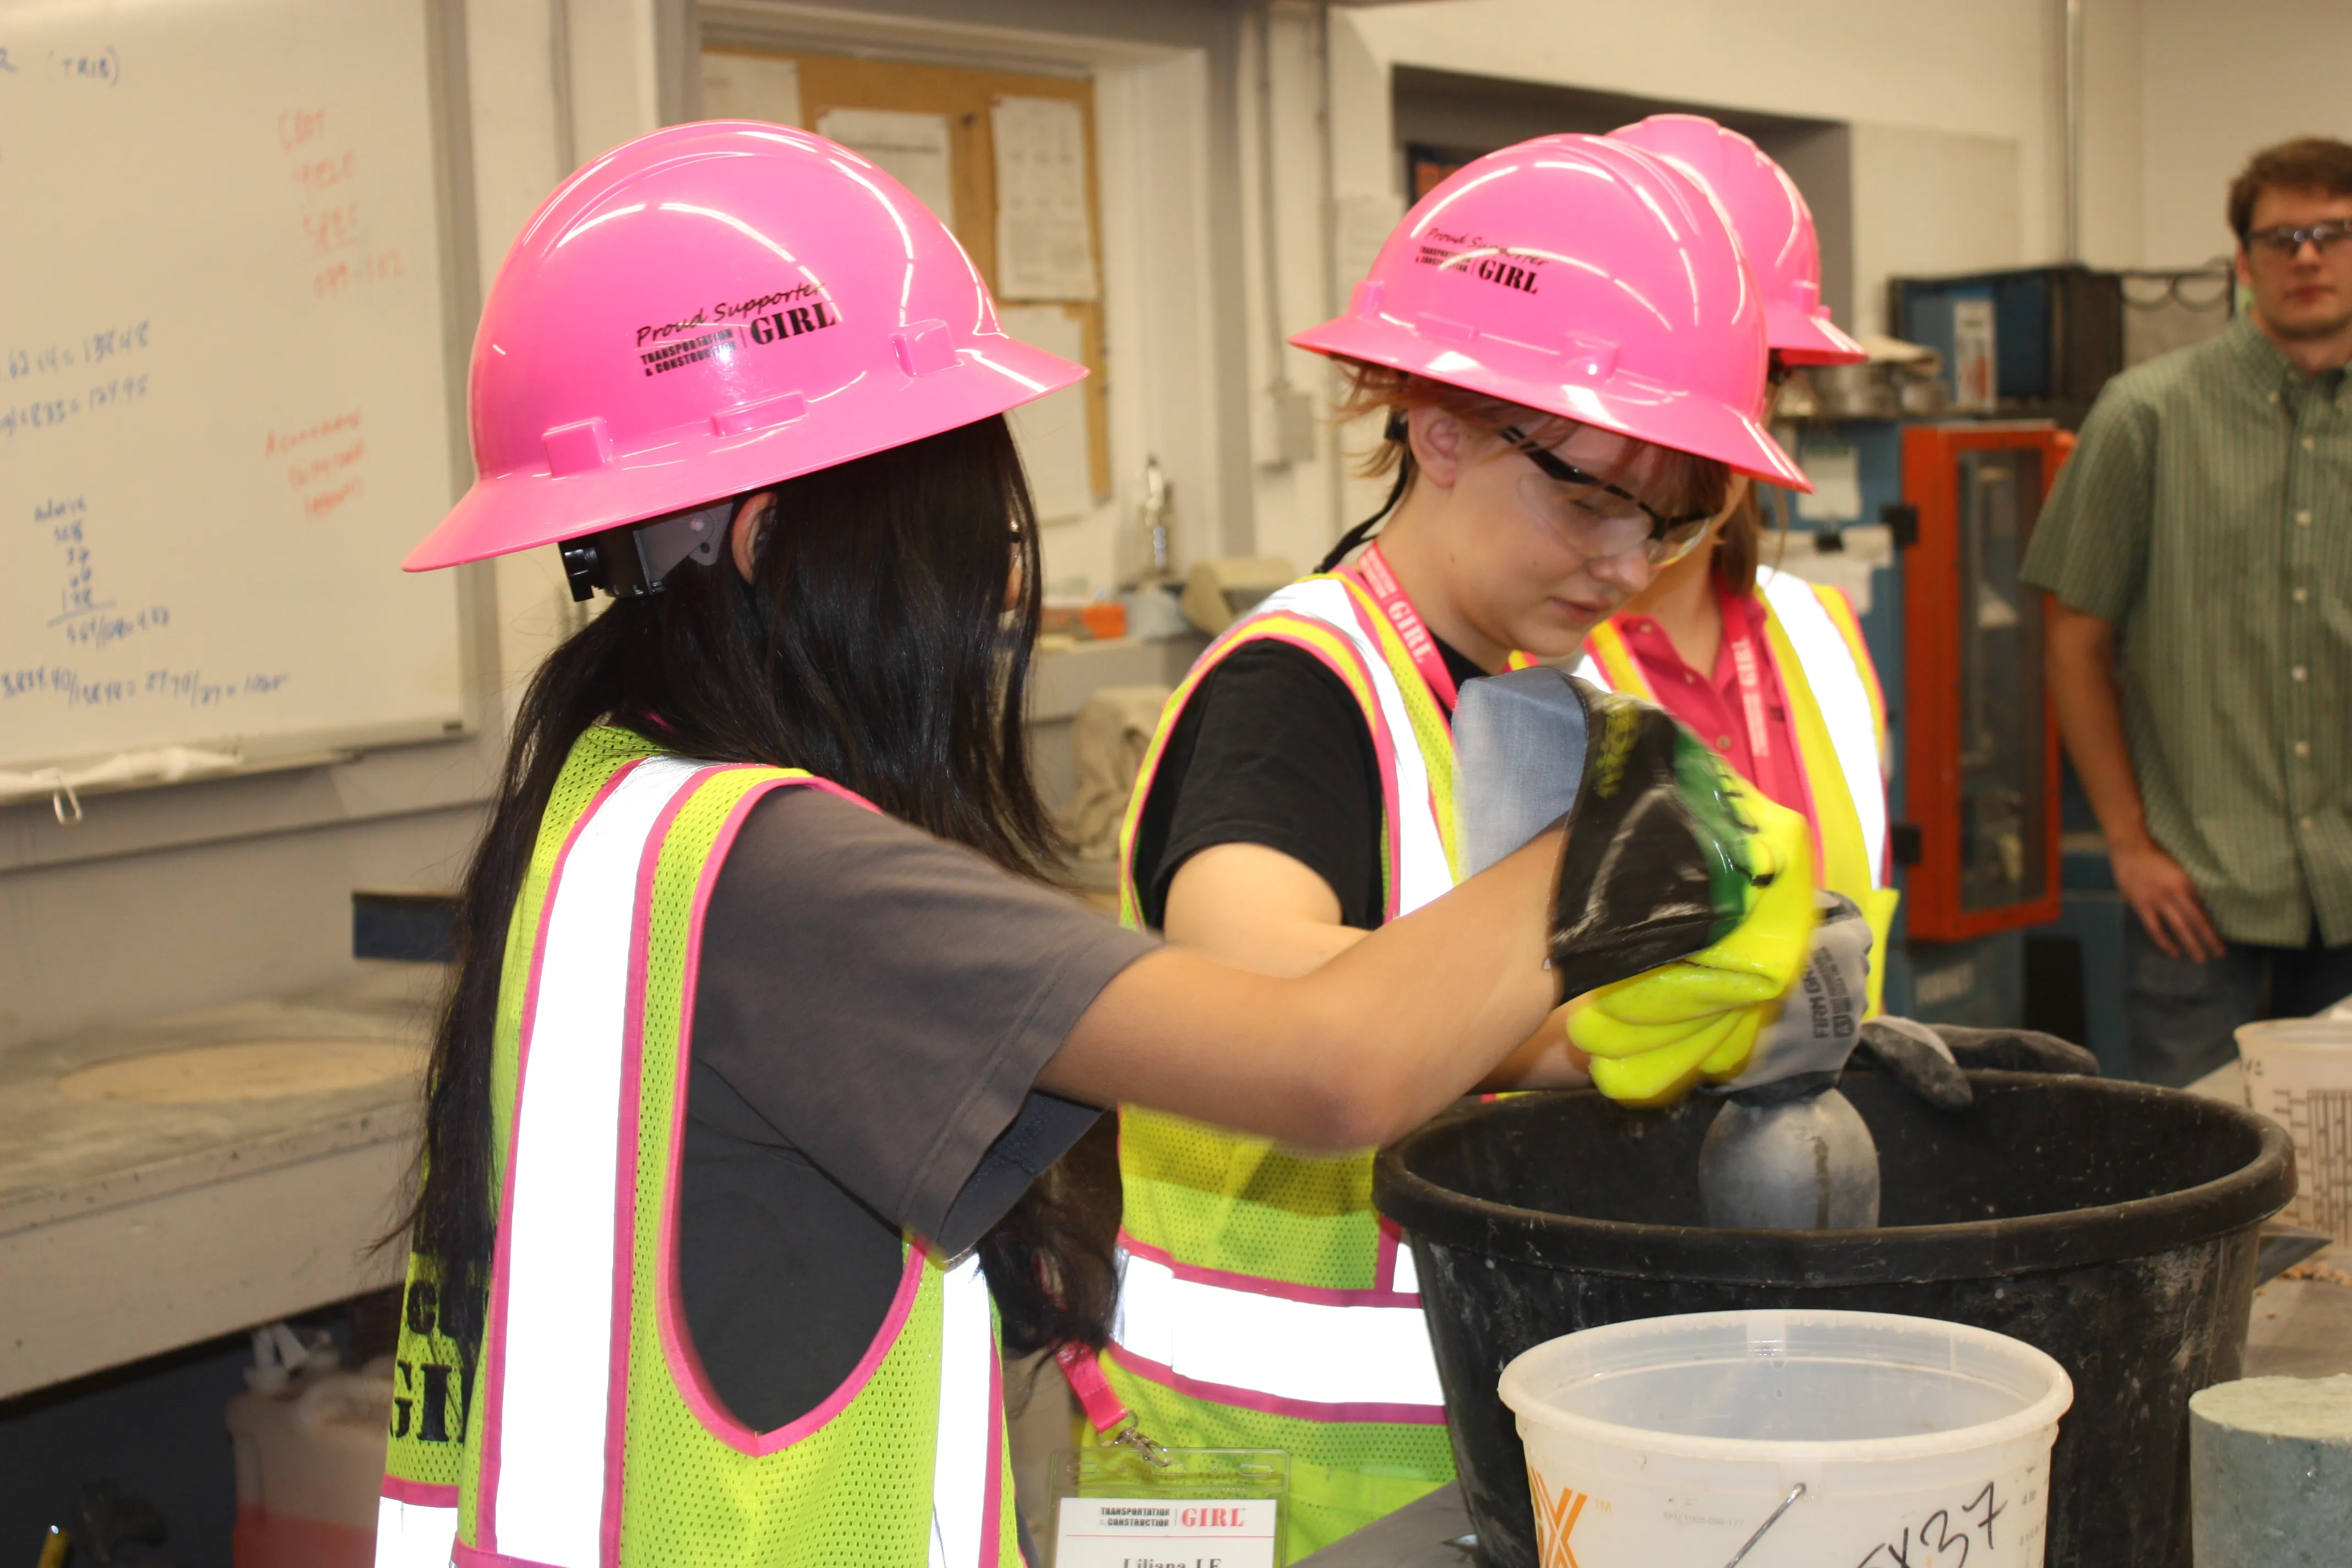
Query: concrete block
[[2270, 1472]]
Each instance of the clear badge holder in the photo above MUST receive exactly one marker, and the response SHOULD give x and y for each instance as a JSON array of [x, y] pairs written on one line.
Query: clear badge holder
[[1133, 1503]]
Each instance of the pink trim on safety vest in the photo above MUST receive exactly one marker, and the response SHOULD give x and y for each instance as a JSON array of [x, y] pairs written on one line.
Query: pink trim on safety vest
[[991, 1516], [1381, 1295], [1372, 612], [418, 1494], [624, 1164], [464, 1556], [486, 1513], [1274, 1404], [693, 1382], [1384, 1269]]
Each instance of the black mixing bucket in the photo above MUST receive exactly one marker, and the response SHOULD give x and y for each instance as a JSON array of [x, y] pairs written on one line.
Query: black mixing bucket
[[2113, 1225]]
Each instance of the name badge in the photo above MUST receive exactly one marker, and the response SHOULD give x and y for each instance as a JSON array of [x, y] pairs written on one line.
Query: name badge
[[1192, 1508]]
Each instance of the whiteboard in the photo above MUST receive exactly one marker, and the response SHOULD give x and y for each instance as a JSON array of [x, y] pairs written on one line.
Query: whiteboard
[[225, 402]]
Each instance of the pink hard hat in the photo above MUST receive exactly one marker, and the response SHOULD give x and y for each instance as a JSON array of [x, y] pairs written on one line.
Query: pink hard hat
[[1774, 227], [707, 309], [1583, 276]]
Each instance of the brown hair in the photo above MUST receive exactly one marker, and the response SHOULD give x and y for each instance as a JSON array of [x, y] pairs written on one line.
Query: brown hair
[[1689, 483], [2305, 164], [1738, 547]]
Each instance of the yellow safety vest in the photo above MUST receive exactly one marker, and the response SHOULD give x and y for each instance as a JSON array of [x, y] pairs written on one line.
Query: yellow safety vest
[[585, 1434], [1266, 1302]]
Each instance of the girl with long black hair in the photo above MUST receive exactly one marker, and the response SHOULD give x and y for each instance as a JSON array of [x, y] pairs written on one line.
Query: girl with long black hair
[[766, 1017]]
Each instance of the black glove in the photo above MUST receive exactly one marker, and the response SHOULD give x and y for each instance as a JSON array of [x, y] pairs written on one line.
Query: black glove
[[2017, 1050], [1657, 858], [1915, 1056], [1931, 1059]]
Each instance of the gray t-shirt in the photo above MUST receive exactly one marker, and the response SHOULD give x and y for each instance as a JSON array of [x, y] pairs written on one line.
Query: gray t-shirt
[[871, 1011]]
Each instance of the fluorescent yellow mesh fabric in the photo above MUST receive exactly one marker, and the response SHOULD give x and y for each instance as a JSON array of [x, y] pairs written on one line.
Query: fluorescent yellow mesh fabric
[[1344, 1474], [1227, 1201], [439, 1447], [858, 1490], [430, 1384], [1222, 1200]]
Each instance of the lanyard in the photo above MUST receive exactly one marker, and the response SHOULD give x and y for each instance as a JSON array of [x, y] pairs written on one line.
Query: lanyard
[[1748, 671], [1131, 1502], [1104, 1408], [1372, 569]]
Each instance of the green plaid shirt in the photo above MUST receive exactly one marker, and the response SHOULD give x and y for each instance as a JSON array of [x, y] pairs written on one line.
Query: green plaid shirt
[[2207, 513]]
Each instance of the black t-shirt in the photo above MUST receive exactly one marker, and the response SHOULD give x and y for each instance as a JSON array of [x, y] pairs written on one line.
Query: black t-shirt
[[872, 1008], [1272, 749]]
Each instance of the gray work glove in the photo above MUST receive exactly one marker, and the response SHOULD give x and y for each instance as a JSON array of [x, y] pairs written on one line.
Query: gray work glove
[[1931, 1059], [1803, 1050]]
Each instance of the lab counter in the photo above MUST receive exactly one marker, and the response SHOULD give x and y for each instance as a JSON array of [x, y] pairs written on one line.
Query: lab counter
[[164, 1184]]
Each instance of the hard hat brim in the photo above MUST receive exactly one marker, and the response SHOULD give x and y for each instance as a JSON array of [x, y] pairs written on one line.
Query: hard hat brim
[[526, 509], [1800, 337], [1684, 421]]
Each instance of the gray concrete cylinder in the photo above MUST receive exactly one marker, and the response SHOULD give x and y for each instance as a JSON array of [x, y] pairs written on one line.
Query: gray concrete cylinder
[[2270, 1473]]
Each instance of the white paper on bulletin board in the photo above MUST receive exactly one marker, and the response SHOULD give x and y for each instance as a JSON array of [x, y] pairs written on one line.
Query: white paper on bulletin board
[[1044, 243], [741, 85], [1052, 431], [225, 382], [912, 149]]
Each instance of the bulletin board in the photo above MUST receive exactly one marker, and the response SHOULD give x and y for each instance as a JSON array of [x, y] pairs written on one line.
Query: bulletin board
[[226, 398], [801, 89]]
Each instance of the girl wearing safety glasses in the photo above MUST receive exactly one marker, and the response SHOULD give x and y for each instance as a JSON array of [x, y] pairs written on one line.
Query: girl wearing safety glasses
[[1571, 357]]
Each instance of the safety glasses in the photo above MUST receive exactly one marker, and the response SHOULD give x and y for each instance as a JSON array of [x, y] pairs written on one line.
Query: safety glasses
[[1603, 519], [2285, 240]]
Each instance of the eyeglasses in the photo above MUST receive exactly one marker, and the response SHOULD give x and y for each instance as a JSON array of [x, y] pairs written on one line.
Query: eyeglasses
[[1605, 521], [2285, 240]]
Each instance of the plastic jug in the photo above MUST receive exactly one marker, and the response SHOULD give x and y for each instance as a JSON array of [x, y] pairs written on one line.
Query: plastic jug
[[1788, 1439], [2298, 1072], [310, 1467]]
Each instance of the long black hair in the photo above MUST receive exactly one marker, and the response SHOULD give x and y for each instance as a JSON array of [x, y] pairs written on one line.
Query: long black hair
[[875, 645]]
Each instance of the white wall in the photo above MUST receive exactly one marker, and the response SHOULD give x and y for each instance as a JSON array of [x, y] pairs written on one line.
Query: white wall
[[2223, 79], [1910, 75], [1957, 132]]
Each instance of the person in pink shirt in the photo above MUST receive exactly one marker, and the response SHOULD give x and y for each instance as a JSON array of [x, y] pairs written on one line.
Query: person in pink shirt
[[1768, 669]]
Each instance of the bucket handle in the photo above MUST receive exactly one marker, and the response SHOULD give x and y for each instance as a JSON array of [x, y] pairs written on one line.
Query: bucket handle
[[1741, 1555]]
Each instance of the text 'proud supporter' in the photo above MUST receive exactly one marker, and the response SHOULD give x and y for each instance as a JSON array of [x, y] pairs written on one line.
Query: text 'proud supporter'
[[725, 342]]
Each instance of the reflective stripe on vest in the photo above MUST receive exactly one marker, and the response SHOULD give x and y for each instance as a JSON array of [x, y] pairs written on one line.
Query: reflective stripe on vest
[[547, 1461], [1827, 668], [1422, 865], [416, 1533], [1241, 1339], [968, 1453], [1327, 1355], [585, 1337]]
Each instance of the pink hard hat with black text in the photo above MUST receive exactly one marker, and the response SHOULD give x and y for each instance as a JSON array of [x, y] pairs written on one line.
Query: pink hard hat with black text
[[707, 309], [1774, 227], [1583, 276]]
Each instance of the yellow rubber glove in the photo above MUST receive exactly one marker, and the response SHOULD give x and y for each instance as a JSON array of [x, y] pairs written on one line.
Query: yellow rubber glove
[[1652, 1036]]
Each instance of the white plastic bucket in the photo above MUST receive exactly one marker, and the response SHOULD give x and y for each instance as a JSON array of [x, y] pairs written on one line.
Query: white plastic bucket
[[2298, 1072], [1669, 1442]]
